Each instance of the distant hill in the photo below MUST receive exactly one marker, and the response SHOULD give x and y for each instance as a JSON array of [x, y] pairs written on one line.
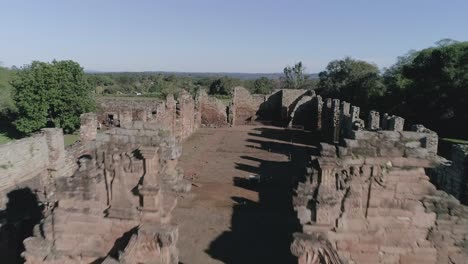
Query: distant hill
[[237, 75]]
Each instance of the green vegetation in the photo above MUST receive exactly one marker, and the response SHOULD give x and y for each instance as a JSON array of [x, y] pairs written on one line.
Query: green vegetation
[[351, 80], [7, 105], [51, 94], [4, 138], [455, 141], [429, 86], [263, 85], [295, 78], [223, 86]]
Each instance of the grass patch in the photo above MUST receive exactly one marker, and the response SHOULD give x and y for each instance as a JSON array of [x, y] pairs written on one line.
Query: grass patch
[[70, 139], [4, 138], [225, 99], [8, 132], [455, 141]]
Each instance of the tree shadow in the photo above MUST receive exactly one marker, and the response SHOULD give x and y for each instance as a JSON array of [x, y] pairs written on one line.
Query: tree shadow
[[9, 130], [261, 232], [23, 212]]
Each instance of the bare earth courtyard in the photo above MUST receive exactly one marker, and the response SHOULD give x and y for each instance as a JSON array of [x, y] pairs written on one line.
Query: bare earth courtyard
[[228, 218]]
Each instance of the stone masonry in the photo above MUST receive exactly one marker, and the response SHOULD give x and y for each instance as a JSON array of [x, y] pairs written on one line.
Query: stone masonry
[[367, 198], [118, 200]]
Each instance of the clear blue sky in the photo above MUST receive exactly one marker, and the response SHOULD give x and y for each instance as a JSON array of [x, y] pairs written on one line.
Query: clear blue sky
[[220, 35]]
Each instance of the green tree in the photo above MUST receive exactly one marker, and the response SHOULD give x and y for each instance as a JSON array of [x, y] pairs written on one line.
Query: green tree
[[51, 94], [437, 94], [262, 85], [223, 86], [294, 77], [352, 80], [7, 106], [396, 83]]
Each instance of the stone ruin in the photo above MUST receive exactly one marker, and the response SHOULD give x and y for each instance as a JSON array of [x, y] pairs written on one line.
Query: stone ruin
[[367, 198], [116, 207], [108, 198]]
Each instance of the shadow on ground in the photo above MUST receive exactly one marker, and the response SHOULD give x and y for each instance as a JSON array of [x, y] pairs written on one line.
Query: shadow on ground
[[17, 221], [261, 232]]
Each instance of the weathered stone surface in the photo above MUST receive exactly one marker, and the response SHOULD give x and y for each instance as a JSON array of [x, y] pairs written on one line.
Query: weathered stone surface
[[213, 111]]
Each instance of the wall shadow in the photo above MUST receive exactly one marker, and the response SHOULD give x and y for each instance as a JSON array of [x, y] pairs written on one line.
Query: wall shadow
[[22, 213], [261, 232]]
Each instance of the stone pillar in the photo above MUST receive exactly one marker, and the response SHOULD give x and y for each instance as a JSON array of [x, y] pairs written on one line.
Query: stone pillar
[[88, 127], [121, 205], [384, 122], [346, 124], [373, 122], [56, 164], [171, 110], [319, 108], [354, 113], [149, 190], [345, 108], [396, 123], [336, 119], [56, 146]]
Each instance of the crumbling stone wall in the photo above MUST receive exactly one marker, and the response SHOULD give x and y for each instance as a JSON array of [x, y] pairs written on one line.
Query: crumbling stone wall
[[108, 193], [181, 116], [118, 200], [409, 144], [30, 162], [245, 106], [213, 112], [367, 198], [337, 119], [373, 209], [452, 175], [289, 100], [277, 107]]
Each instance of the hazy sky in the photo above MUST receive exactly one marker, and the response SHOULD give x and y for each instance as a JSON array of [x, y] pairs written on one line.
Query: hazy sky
[[222, 36]]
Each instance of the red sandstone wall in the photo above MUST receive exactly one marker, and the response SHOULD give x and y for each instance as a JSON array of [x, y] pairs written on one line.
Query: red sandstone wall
[[181, 117], [213, 111], [245, 106]]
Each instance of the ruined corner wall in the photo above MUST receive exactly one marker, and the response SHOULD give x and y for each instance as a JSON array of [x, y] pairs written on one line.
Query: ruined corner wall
[[452, 176], [278, 107], [29, 162], [213, 112], [289, 102], [337, 119], [367, 198], [124, 182], [245, 106], [181, 117], [361, 205]]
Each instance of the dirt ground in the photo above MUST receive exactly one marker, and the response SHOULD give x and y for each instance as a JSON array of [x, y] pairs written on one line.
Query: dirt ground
[[240, 209]]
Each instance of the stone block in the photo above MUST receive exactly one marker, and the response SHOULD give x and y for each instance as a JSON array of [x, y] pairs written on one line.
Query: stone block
[[418, 258], [365, 258]]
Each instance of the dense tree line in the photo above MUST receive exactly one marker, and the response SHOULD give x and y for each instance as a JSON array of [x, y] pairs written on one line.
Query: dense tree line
[[428, 86]]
